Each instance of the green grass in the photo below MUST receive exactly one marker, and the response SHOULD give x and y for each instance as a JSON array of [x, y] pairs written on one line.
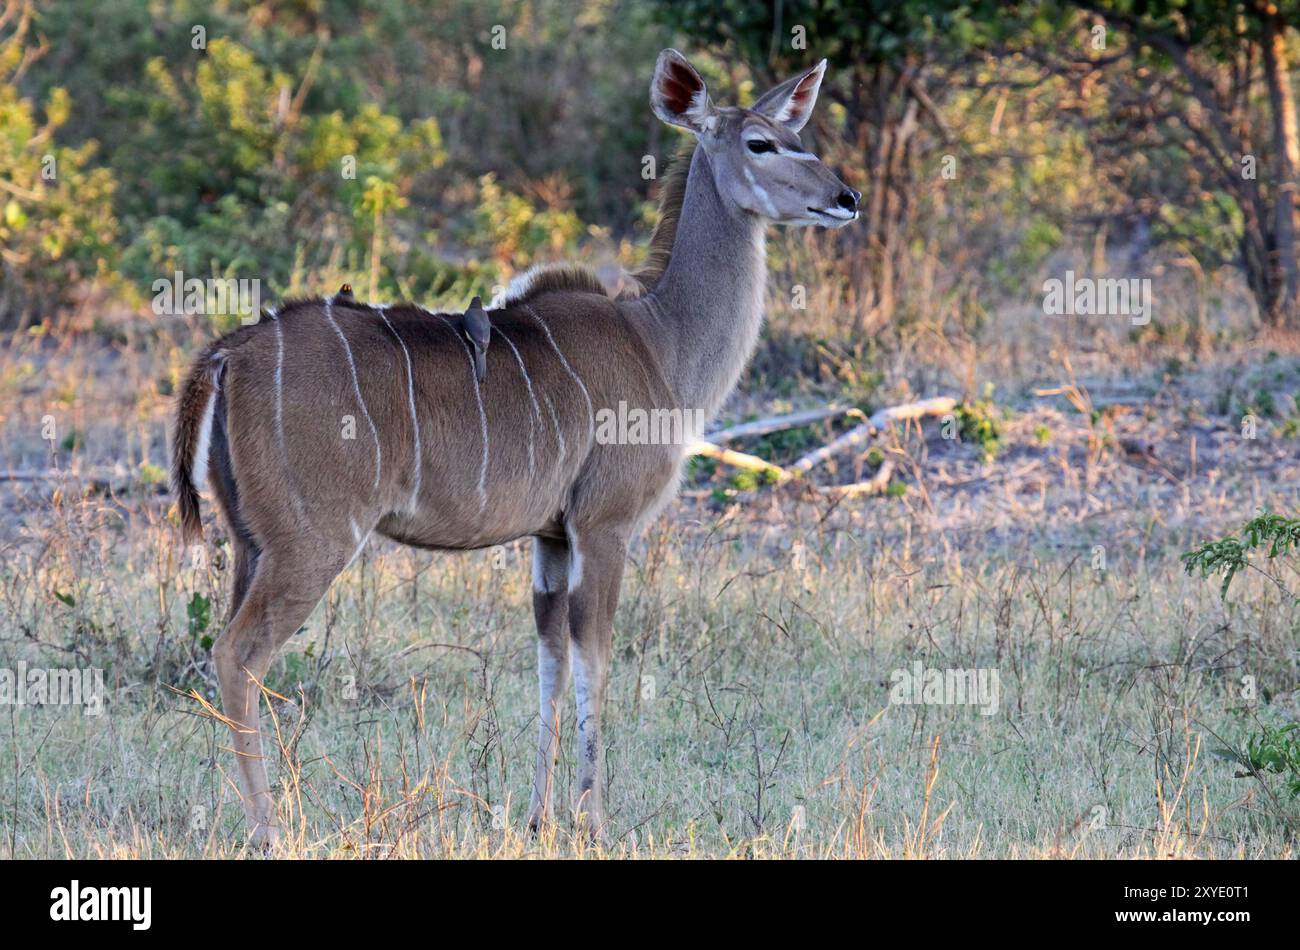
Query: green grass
[[748, 715]]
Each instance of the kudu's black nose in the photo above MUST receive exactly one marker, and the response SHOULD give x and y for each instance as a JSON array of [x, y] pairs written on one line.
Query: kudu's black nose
[[848, 200]]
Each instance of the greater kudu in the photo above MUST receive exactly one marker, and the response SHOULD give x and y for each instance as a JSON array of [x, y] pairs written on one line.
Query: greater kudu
[[444, 459]]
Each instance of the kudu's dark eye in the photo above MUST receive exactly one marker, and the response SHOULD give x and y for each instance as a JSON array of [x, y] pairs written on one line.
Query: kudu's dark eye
[[759, 146]]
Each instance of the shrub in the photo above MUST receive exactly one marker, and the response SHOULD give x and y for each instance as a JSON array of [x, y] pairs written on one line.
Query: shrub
[[56, 220]]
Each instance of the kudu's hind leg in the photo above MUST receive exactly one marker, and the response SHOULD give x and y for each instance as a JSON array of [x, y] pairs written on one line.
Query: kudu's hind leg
[[595, 576], [246, 554], [284, 589], [551, 612]]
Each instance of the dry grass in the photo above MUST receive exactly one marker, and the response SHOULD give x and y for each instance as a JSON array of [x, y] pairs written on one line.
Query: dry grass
[[749, 711]]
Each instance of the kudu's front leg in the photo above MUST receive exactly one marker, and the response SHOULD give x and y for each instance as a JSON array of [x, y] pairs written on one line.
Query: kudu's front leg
[[551, 611], [595, 575]]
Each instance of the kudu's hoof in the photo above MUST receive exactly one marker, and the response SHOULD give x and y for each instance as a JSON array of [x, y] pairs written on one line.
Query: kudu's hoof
[[265, 838]]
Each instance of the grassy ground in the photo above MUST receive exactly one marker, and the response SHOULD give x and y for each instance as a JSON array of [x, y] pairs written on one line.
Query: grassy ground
[[750, 710], [749, 714]]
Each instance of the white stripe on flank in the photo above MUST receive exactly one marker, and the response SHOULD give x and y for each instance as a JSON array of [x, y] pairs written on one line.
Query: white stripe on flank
[[199, 464], [356, 387], [279, 383], [536, 410], [294, 498], [410, 396], [591, 412], [559, 433], [360, 544], [482, 414]]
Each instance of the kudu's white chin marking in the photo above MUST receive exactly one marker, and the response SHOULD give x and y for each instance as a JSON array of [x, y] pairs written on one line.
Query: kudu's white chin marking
[[356, 388], [415, 420], [591, 410], [836, 214], [535, 412], [482, 413]]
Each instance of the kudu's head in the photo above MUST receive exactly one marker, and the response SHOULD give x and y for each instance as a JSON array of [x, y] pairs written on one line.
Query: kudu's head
[[759, 165]]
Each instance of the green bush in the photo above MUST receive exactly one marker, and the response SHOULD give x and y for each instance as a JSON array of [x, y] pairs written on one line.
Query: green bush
[[1227, 557], [57, 227], [243, 184]]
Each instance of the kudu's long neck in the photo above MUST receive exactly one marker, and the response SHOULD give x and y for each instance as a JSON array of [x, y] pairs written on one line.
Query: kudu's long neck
[[710, 297]]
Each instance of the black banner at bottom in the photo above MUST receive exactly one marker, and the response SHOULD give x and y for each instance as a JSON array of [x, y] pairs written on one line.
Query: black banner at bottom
[[344, 898]]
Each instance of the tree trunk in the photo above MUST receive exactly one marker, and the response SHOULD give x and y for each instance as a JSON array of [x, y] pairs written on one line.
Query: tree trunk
[[886, 138], [1286, 141]]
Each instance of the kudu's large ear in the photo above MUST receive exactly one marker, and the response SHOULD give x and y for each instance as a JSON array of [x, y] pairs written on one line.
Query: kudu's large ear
[[791, 103], [678, 96]]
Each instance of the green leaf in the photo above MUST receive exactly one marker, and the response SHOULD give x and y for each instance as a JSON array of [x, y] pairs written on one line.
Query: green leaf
[[15, 216], [199, 611]]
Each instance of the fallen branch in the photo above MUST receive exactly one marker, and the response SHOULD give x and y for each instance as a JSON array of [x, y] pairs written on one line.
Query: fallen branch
[[874, 485], [778, 423], [938, 406], [739, 459]]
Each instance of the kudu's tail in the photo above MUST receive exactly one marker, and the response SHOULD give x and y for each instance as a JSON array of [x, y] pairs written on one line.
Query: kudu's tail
[[193, 437]]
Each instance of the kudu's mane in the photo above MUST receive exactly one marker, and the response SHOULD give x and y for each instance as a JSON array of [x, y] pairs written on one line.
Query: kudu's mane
[[671, 196], [546, 278], [574, 277]]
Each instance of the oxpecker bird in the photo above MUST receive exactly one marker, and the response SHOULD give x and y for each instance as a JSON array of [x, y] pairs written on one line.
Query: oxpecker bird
[[479, 332]]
